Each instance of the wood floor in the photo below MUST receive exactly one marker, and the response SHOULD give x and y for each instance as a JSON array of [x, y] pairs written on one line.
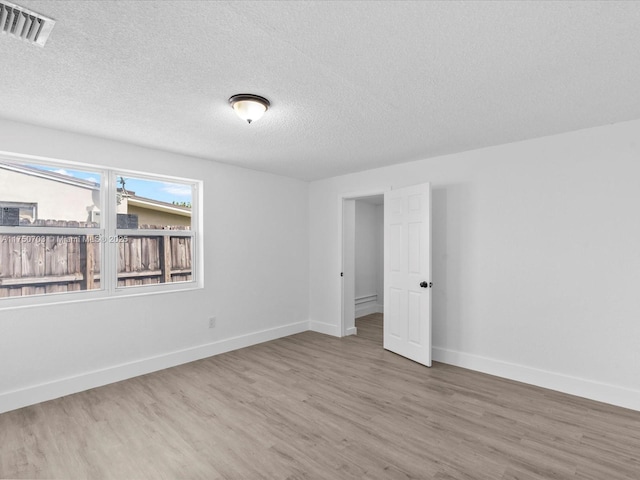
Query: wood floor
[[312, 406]]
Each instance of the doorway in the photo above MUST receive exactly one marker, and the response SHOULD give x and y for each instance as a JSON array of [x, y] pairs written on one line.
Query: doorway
[[405, 276], [362, 265]]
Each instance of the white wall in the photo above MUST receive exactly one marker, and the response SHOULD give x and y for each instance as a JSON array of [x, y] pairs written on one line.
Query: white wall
[[368, 258], [256, 280], [536, 258]]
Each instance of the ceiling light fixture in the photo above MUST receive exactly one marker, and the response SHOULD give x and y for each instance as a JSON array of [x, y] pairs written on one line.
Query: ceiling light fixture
[[249, 107]]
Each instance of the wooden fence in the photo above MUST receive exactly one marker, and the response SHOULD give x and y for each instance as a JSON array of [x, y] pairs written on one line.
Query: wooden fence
[[38, 264]]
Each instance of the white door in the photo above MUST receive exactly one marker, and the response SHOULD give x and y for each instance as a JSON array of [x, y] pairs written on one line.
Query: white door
[[407, 272]]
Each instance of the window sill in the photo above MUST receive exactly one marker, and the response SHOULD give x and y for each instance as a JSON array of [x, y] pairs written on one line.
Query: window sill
[[49, 299]]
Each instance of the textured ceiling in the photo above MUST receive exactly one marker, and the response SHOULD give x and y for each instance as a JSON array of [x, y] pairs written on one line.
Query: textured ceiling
[[353, 85]]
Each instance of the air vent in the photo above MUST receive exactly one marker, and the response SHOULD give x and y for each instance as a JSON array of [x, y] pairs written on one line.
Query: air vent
[[24, 24]]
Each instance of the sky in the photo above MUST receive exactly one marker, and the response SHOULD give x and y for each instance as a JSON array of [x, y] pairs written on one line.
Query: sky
[[162, 191]]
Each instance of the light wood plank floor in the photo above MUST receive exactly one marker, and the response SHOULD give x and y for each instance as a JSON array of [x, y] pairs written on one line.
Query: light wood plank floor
[[311, 406]]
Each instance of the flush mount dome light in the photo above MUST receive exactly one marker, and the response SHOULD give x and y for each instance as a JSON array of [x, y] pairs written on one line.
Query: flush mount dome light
[[249, 107]]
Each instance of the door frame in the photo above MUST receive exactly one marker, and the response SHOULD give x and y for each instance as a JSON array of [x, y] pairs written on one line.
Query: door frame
[[347, 256]]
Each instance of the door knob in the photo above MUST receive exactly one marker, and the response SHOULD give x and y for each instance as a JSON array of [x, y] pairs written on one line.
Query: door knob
[[426, 285]]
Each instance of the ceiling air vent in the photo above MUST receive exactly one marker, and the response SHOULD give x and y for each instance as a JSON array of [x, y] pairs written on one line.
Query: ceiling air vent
[[24, 24]]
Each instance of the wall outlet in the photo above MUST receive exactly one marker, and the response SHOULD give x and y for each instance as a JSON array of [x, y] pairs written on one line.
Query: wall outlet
[[212, 322]]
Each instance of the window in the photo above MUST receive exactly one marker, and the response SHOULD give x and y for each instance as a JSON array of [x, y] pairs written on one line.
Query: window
[[75, 228], [155, 239]]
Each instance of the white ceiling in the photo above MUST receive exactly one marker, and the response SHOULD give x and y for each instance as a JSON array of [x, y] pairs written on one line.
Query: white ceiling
[[353, 85]]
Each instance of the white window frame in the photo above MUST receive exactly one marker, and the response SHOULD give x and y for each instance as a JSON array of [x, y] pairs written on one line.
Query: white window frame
[[108, 234], [192, 233]]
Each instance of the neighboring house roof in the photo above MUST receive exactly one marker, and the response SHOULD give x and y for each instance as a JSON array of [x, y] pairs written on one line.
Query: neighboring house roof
[[151, 204], [54, 176]]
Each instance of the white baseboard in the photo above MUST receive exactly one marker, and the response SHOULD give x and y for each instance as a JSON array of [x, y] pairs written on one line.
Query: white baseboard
[[66, 386], [326, 328], [602, 392], [329, 329]]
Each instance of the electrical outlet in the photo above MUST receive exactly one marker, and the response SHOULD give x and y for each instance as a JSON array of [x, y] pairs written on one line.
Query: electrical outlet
[[212, 322]]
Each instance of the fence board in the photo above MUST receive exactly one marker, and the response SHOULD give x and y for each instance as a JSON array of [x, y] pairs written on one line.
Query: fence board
[[27, 291], [135, 258], [26, 263], [16, 260], [59, 257], [178, 252], [121, 256], [96, 256], [56, 288], [73, 255], [40, 256], [49, 242], [167, 263], [144, 253], [127, 257], [5, 256], [154, 255]]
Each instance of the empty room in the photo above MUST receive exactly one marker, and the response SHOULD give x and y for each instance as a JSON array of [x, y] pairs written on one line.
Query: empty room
[[319, 240]]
